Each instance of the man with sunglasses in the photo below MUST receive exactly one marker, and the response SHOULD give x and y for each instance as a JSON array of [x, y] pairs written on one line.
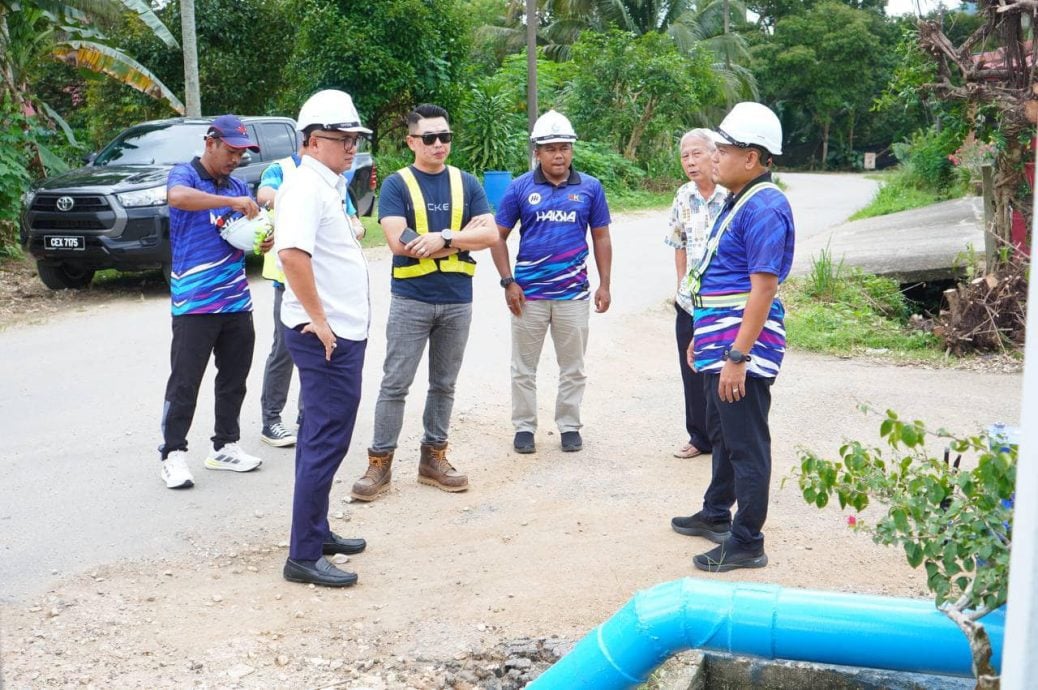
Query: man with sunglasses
[[433, 215], [739, 338], [557, 208], [326, 316], [211, 304]]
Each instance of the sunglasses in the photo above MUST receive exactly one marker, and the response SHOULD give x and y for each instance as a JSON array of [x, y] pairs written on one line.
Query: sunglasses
[[430, 139]]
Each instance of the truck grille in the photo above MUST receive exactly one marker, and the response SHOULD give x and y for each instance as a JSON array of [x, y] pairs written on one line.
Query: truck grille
[[70, 224], [82, 202]]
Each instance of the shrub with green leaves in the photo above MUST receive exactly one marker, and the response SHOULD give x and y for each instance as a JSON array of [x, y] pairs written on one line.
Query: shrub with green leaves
[[951, 519]]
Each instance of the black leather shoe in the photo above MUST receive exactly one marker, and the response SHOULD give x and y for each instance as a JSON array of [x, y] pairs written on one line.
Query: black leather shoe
[[571, 441], [322, 572], [336, 544], [523, 442]]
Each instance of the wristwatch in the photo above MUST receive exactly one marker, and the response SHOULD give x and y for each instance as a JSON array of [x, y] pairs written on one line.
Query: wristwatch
[[505, 282], [447, 236], [733, 355]]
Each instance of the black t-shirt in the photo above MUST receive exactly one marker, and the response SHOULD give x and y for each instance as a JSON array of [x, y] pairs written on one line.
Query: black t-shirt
[[394, 200]]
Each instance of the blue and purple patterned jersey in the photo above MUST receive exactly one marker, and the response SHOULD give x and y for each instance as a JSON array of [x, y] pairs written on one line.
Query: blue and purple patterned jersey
[[208, 275], [759, 240], [554, 222]]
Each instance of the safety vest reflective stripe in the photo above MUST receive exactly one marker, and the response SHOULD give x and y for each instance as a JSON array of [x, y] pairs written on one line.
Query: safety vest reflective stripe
[[448, 264], [270, 259], [695, 276], [736, 299]]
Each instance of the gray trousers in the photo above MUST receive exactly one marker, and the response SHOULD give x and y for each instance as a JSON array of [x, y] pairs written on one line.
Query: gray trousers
[[277, 375], [568, 321], [410, 326]]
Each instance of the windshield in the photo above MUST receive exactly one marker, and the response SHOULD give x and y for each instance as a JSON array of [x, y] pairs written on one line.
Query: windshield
[[163, 144]]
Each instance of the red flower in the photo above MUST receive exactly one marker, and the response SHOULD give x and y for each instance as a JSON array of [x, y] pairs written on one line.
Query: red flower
[[852, 521]]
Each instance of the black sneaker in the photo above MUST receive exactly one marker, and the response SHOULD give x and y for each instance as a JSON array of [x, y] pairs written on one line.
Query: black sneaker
[[696, 526], [523, 442], [571, 441], [727, 556]]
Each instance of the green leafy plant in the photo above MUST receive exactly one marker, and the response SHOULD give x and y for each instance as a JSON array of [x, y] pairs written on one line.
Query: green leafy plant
[[494, 138], [952, 519]]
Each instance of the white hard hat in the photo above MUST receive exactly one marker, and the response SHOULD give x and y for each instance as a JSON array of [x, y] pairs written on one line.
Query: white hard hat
[[331, 109], [751, 124], [552, 127], [247, 234]]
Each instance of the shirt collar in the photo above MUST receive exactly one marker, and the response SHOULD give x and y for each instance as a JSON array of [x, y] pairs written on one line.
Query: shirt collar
[[196, 163], [325, 173], [719, 194], [539, 178]]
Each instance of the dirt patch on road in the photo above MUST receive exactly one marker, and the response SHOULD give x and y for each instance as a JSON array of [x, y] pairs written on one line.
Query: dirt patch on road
[[26, 300]]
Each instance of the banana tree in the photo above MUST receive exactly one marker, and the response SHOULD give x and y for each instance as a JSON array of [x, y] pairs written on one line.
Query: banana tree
[[32, 31]]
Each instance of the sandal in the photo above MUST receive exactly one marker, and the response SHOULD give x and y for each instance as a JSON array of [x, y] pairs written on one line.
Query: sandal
[[687, 451]]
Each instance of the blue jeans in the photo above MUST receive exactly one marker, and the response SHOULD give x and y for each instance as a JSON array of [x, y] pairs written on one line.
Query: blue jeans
[[331, 393], [410, 326]]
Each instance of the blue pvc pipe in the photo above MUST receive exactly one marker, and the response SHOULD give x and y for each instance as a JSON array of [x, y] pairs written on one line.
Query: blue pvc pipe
[[770, 622]]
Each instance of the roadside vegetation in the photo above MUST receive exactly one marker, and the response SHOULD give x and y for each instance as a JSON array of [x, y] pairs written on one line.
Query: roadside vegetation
[[843, 311]]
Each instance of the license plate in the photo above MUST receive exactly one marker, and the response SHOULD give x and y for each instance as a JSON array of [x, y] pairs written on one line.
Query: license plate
[[64, 242]]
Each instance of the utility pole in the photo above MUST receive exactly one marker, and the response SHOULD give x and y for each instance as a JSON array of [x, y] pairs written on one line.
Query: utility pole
[[192, 100], [531, 70]]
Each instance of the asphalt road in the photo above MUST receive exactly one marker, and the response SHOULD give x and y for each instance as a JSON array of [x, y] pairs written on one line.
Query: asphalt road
[[82, 394]]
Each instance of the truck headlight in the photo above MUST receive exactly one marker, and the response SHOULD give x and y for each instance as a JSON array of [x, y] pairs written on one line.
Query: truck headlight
[[154, 196]]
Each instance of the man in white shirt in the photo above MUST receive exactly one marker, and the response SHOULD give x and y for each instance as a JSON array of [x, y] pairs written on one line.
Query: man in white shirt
[[326, 314]]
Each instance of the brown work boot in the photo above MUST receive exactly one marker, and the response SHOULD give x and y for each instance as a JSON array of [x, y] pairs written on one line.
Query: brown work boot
[[376, 480], [434, 469]]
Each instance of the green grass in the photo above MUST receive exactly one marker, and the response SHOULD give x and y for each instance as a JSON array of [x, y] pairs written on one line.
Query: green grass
[[847, 312], [620, 202], [899, 193]]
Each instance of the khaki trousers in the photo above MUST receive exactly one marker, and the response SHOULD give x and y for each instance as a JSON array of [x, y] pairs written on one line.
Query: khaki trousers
[[568, 321]]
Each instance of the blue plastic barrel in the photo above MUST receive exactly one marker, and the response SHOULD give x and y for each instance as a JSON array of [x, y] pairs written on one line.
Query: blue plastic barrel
[[495, 182]]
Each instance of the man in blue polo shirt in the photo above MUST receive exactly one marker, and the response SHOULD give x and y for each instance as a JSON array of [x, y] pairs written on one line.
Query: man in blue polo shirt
[[739, 338], [211, 304], [555, 206]]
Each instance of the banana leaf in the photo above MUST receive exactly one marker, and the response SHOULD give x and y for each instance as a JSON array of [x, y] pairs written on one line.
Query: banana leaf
[[116, 64], [53, 114]]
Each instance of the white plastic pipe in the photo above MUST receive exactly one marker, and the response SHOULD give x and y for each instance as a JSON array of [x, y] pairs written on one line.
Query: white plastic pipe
[[1020, 667]]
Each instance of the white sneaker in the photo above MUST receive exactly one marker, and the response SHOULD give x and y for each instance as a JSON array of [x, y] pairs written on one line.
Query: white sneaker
[[232, 457], [175, 472]]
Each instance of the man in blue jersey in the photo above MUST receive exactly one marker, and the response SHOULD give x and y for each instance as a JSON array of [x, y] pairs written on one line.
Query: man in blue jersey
[[277, 373], [433, 216], [556, 207], [739, 337], [212, 307]]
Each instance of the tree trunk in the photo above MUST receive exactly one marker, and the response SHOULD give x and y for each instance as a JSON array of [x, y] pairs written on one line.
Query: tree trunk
[[631, 150], [192, 99], [825, 144]]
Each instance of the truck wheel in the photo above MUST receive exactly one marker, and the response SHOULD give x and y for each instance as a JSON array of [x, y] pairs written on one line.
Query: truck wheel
[[64, 276]]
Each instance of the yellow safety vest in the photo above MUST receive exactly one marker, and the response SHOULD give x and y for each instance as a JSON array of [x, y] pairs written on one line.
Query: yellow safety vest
[[455, 263], [270, 259]]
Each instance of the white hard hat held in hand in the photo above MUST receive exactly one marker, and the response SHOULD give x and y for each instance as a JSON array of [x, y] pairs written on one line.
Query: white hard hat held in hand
[[552, 127], [330, 109], [751, 124]]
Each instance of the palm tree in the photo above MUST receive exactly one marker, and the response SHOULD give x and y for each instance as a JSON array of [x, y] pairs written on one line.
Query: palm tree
[[32, 31], [687, 22]]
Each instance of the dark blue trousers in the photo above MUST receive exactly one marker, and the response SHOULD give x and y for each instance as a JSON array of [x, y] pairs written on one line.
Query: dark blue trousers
[[741, 459], [331, 395], [692, 381]]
